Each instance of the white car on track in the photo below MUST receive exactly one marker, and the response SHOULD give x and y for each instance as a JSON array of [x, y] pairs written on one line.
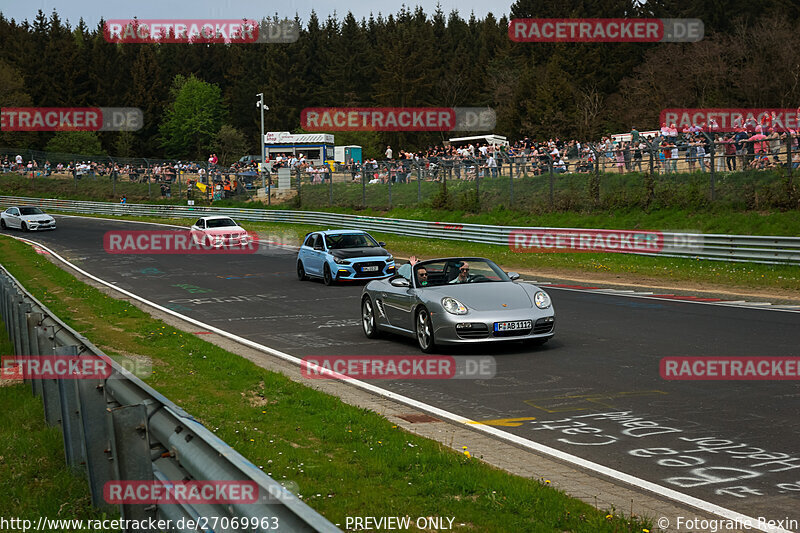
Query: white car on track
[[219, 231], [26, 218]]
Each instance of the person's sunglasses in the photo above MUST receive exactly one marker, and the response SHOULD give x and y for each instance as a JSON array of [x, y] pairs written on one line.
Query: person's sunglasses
[[423, 275], [464, 270]]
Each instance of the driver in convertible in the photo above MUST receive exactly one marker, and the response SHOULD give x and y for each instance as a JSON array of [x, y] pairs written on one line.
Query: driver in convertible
[[463, 273]]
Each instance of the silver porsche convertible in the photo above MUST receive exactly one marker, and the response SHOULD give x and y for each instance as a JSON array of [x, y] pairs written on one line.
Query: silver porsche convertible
[[457, 300]]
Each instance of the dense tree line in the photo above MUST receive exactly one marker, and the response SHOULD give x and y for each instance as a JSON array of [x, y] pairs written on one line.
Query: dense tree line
[[748, 58]]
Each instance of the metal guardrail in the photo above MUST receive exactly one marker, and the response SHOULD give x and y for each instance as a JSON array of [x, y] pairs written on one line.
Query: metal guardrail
[[744, 248], [119, 428]]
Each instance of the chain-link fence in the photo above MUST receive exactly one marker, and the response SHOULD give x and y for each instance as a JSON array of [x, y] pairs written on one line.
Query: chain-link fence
[[743, 173]]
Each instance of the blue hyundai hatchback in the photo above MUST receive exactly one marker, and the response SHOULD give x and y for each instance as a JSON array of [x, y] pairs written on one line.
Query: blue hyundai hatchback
[[339, 255]]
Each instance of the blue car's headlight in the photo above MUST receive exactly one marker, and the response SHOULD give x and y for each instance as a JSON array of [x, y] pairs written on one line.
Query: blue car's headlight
[[542, 300], [341, 261], [453, 306]]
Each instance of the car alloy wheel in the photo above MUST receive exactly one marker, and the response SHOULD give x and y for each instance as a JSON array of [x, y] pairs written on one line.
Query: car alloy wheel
[[424, 331], [24, 227], [3, 223], [368, 318], [327, 277], [301, 272]]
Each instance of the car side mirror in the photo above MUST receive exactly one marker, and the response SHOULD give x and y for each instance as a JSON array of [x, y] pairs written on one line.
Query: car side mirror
[[400, 282], [381, 243], [513, 276]]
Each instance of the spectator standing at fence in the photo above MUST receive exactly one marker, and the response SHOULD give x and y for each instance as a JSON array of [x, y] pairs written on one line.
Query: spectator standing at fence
[[730, 152], [701, 155], [620, 159], [691, 154], [388, 152], [491, 164]]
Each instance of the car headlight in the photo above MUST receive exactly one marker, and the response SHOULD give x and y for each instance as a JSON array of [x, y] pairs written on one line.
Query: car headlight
[[451, 305], [341, 261], [542, 300]]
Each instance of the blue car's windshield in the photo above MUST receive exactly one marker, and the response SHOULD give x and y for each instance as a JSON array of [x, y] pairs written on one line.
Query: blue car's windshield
[[350, 240]]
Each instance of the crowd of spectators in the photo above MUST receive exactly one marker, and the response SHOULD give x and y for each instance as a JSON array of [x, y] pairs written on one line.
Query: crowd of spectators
[[668, 150]]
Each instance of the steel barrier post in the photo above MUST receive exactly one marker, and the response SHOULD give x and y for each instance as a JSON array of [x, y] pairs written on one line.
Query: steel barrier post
[[130, 453], [74, 451], [419, 186], [50, 394], [33, 320], [93, 408]]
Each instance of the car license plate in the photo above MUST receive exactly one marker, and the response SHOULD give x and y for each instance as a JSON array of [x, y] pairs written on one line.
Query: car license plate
[[512, 326], [369, 269]]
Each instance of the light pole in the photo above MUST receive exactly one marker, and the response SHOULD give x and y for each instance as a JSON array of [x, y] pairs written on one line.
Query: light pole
[[260, 104]]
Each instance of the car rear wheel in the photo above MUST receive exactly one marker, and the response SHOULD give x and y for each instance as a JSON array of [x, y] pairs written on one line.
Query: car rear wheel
[[327, 277], [424, 329], [368, 321], [301, 272]]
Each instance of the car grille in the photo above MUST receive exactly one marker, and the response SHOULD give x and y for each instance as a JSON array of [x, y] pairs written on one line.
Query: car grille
[[358, 266], [477, 331], [544, 325]]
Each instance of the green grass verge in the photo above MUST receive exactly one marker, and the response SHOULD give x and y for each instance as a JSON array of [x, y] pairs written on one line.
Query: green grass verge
[[34, 478], [344, 461], [781, 280]]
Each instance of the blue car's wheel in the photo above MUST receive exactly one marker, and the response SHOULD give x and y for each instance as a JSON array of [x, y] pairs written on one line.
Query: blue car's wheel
[[327, 277], [301, 272]]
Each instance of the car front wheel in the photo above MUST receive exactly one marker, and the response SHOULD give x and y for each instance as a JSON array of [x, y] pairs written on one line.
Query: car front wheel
[[368, 321], [327, 277], [3, 223], [24, 227], [424, 329]]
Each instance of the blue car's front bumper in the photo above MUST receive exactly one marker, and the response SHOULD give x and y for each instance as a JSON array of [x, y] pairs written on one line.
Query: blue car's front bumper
[[363, 268]]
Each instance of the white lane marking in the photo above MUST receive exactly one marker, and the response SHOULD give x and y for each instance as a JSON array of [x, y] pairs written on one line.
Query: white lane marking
[[764, 306], [532, 445], [126, 220]]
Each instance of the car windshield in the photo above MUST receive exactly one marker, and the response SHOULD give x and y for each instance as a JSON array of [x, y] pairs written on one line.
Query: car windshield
[[31, 211], [456, 271], [220, 223], [350, 240]]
